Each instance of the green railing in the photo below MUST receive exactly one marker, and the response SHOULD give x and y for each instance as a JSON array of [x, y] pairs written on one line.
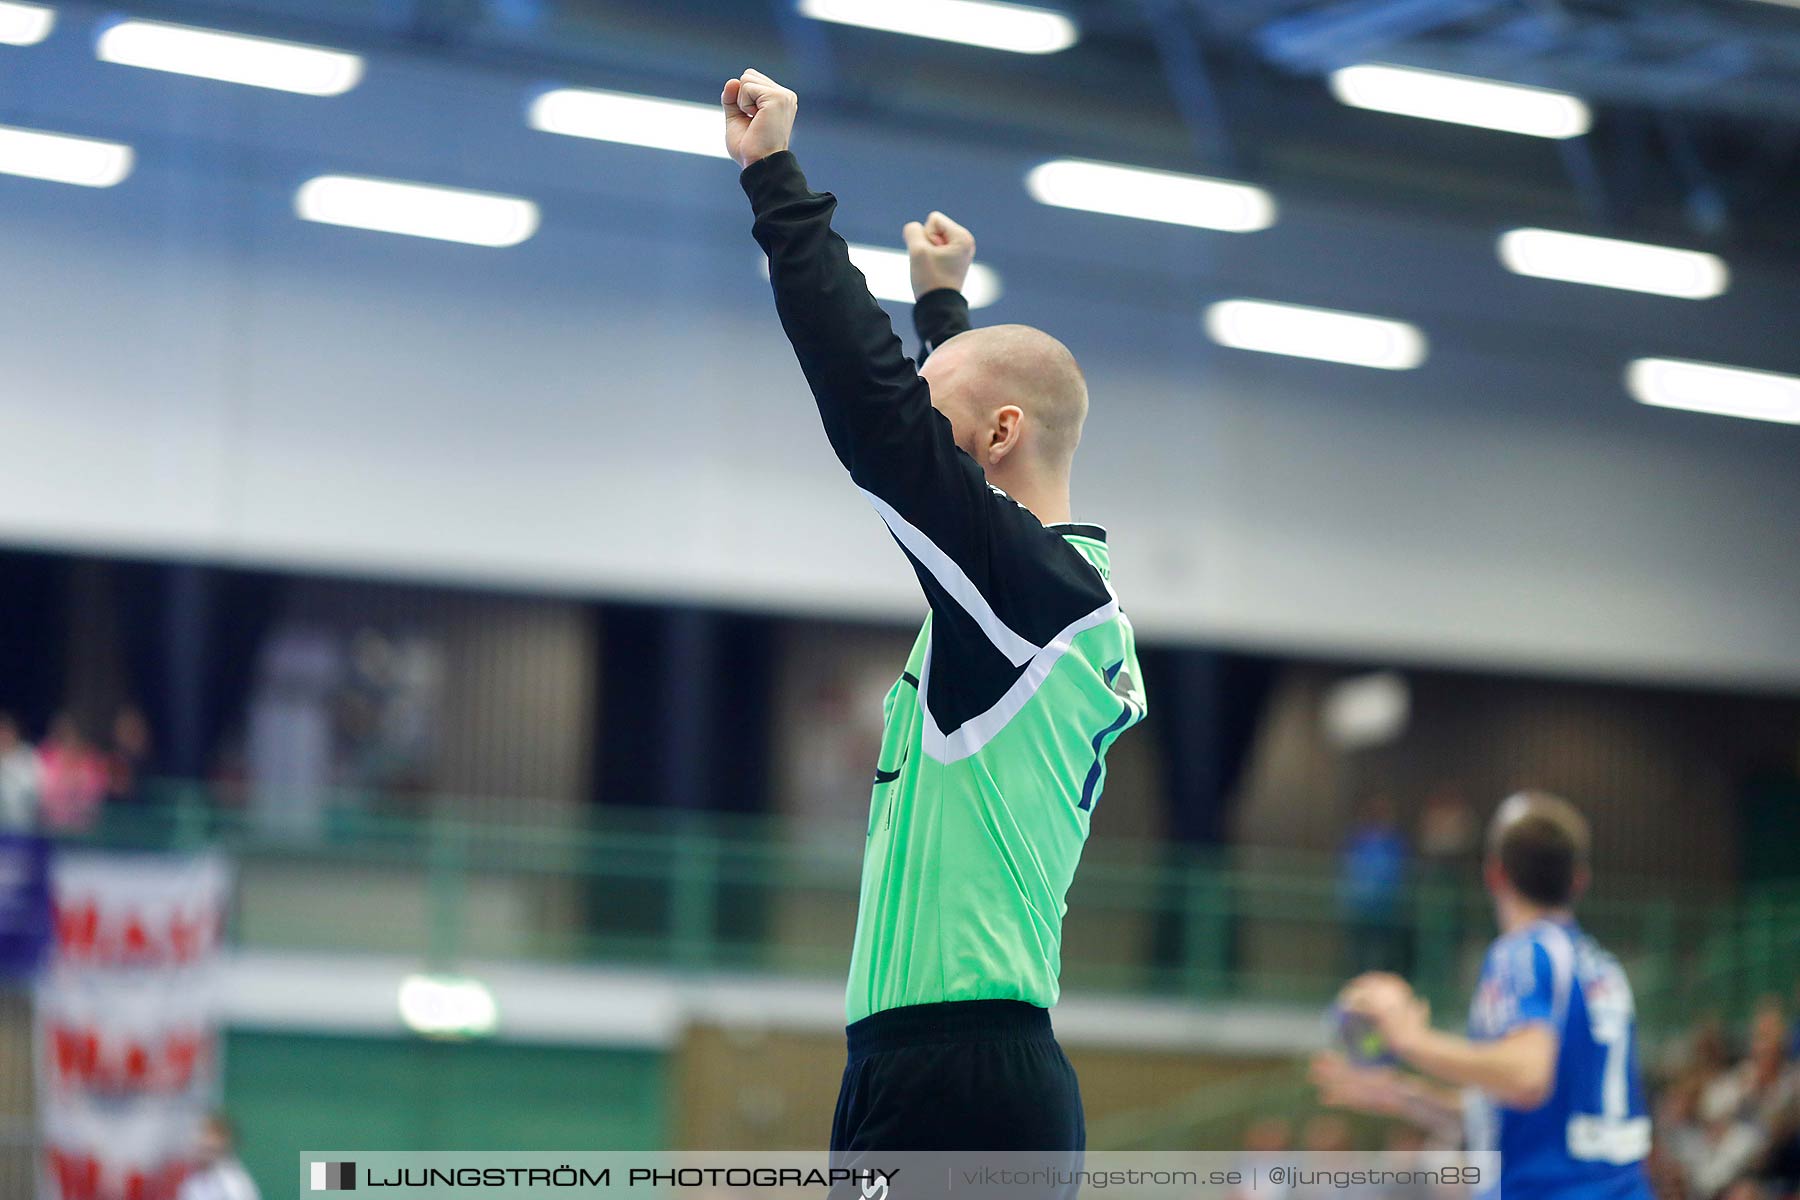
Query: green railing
[[707, 891]]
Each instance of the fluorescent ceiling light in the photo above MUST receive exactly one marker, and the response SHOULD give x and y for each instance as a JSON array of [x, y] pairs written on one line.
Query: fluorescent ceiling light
[[634, 120], [1321, 333], [889, 275], [418, 210], [25, 24], [1710, 388], [231, 57], [1151, 195], [1462, 100], [1015, 27], [63, 159], [1608, 262]]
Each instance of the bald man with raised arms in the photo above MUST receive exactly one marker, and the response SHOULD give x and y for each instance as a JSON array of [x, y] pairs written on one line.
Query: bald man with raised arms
[[993, 755]]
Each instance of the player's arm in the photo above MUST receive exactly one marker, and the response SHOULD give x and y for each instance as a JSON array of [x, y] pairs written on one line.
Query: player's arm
[[939, 252], [1385, 1092], [875, 407], [1518, 1069], [1001, 583]]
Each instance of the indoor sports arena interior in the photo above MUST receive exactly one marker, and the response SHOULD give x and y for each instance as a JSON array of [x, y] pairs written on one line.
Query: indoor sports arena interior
[[443, 660]]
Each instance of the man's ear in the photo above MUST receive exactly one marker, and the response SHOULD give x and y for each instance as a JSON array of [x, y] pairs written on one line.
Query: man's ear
[[1008, 428]]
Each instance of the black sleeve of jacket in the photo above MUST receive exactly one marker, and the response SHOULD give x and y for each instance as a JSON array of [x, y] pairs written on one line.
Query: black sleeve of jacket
[[1000, 584], [939, 316]]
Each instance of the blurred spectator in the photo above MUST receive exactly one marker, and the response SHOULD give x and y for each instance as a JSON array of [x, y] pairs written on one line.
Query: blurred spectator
[[1269, 1135], [1746, 1189], [1373, 887], [21, 778], [1406, 1151], [1668, 1181], [289, 740], [1267, 1142], [1448, 833], [1711, 1147], [129, 754], [1763, 1085], [74, 778], [217, 1174], [1731, 1133], [1764, 1092], [1327, 1133], [1449, 845], [1709, 1050]]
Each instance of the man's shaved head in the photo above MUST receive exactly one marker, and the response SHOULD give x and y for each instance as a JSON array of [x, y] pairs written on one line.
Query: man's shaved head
[[977, 376]]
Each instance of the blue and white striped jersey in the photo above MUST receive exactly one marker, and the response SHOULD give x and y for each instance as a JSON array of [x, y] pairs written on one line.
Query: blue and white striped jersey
[[1588, 1141]]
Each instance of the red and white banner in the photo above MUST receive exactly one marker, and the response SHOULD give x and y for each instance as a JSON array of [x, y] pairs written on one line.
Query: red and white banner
[[128, 1046]]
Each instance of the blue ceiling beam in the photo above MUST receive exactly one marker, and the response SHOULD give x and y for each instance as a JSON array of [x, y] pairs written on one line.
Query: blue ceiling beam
[[1190, 83], [1360, 29]]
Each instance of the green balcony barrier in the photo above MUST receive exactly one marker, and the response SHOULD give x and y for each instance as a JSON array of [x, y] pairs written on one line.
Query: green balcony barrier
[[701, 891]]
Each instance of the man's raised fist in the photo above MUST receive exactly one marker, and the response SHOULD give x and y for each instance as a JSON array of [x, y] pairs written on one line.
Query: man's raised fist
[[940, 252], [759, 117]]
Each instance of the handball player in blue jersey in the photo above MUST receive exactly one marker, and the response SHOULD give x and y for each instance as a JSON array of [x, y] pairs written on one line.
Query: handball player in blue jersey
[[1548, 1074]]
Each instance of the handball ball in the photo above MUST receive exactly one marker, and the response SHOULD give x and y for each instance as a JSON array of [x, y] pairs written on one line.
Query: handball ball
[[1358, 1039]]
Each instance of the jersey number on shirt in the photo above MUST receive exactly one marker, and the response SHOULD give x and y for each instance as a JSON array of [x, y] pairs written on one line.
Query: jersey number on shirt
[[1612, 1135]]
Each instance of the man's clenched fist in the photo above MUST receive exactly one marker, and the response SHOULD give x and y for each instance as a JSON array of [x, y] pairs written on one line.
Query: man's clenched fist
[[940, 251], [759, 117]]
